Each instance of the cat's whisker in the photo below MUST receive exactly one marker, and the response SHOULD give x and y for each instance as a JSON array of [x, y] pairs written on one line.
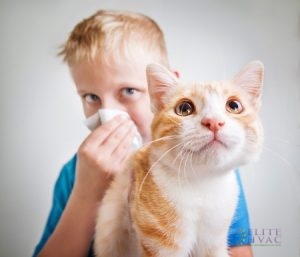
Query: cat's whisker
[[154, 164], [182, 170], [292, 175], [190, 154], [277, 155], [284, 141], [182, 174], [186, 158], [181, 154], [192, 166], [165, 138], [179, 171]]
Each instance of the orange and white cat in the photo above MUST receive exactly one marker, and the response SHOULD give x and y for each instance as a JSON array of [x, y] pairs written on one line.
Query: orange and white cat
[[179, 195]]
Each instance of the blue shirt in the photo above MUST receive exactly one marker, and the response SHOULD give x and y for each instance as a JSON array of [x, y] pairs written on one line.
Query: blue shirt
[[238, 234]]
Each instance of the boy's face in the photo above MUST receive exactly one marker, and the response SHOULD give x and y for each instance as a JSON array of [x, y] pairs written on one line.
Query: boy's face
[[119, 85]]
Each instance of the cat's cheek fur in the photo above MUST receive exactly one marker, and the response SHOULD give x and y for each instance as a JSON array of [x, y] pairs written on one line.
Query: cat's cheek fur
[[255, 139], [226, 153]]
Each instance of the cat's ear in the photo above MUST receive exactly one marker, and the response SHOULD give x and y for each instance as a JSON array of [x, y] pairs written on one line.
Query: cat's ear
[[160, 81], [250, 78]]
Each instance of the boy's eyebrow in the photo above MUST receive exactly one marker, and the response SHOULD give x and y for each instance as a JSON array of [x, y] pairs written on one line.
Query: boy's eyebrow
[[80, 92], [131, 83]]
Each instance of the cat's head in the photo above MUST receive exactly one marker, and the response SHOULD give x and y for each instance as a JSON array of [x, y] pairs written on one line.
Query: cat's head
[[214, 124]]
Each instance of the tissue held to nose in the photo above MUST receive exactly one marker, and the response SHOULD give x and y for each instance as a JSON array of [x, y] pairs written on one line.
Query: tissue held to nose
[[104, 115]]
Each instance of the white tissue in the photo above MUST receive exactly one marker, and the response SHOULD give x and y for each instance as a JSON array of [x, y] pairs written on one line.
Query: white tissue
[[104, 115]]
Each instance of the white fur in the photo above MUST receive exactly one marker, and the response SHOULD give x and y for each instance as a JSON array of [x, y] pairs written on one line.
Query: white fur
[[205, 203], [114, 235]]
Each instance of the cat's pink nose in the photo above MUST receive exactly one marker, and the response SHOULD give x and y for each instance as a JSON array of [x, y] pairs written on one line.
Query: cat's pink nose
[[213, 124]]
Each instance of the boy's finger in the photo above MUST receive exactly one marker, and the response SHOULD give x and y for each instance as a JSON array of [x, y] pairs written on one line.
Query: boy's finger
[[125, 146], [117, 136], [100, 134]]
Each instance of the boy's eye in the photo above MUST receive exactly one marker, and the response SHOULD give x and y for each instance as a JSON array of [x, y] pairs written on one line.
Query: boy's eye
[[91, 98], [129, 91], [234, 106]]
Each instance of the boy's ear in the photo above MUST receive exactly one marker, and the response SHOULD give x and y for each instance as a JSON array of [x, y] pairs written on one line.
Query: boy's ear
[[250, 79], [160, 81]]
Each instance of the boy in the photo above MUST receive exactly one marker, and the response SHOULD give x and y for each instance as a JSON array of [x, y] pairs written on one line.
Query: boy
[[107, 55]]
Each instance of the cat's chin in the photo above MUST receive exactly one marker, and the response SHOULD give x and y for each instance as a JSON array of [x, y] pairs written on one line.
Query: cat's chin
[[208, 149], [213, 155], [214, 145]]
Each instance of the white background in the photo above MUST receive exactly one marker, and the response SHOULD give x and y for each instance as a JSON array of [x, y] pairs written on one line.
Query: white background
[[41, 117]]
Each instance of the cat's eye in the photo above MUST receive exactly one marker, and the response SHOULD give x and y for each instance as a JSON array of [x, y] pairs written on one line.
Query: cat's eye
[[184, 108], [234, 106]]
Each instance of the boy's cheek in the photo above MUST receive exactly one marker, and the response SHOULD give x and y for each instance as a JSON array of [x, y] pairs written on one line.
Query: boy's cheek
[[145, 134], [89, 110], [144, 125], [142, 116]]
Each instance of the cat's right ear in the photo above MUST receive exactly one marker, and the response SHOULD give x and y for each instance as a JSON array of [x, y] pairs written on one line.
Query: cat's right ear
[[250, 78], [160, 81]]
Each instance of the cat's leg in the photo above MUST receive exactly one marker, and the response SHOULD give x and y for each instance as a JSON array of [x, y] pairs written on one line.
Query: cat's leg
[[113, 230]]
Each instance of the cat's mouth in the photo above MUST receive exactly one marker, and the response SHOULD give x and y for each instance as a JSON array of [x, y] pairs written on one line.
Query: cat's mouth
[[212, 144]]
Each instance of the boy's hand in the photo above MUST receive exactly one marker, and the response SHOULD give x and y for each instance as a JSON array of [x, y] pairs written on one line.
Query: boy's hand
[[102, 154]]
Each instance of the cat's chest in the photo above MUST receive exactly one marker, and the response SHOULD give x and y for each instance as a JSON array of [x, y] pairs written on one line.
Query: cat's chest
[[195, 199], [204, 207]]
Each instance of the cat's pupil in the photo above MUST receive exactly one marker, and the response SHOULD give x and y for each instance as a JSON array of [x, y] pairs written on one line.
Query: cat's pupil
[[184, 108], [234, 106]]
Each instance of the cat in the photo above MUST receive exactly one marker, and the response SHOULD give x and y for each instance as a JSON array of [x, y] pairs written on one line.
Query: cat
[[178, 196]]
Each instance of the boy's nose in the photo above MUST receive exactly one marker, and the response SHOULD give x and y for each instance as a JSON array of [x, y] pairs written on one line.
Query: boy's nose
[[112, 104]]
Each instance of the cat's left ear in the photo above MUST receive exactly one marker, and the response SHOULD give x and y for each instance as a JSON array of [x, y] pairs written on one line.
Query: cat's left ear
[[160, 81], [250, 78]]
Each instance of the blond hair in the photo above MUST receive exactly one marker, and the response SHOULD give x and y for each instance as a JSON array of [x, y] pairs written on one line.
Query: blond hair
[[115, 34]]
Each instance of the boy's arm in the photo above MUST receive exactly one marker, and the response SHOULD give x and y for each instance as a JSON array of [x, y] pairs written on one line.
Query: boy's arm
[[102, 154], [74, 232], [61, 193], [242, 251], [239, 237], [66, 209]]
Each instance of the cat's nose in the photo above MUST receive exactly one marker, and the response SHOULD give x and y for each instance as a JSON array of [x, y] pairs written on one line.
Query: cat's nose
[[213, 124]]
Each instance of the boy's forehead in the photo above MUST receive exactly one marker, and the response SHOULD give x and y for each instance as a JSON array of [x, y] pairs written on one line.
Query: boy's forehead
[[114, 72], [132, 53], [113, 63]]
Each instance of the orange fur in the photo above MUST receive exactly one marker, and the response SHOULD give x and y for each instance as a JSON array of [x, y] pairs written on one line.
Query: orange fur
[[152, 212]]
